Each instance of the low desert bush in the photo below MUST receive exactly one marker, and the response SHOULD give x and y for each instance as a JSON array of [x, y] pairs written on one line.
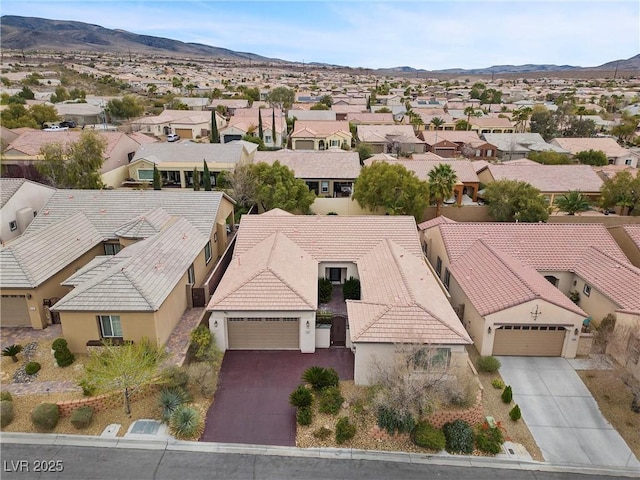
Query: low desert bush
[[320, 377], [497, 383], [459, 437], [515, 414], [81, 417], [507, 394], [169, 399], [63, 356], [426, 435], [6, 396], [186, 423], [330, 400], [175, 377], [32, 368], [45, 416], [489, 364], [304, 416], [301, 397], [344, 430], [489, 439], [6, 412], [59, 343], [392, 421], [322, 433]]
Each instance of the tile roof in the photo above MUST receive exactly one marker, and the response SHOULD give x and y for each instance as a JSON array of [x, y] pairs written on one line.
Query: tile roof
[[386, 133], [319, 128], [275, 274], [434, 222], [141, 276], [521, 142], [187, 152], [494, 281], [144, 225], [617, 280], [607, 145], [455, 136], [8, 187], [312, 164], [109, 210], [30, 260], [544, 246], [550, 178], [31, 142], [633, 231], [463, 168]]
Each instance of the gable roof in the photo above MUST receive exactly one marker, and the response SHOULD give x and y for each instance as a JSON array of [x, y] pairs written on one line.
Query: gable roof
[[463, 168], [30, 260], [521, 142], [580, 144], [313, 164], [8, 187], [144, 225], [188, 152], [319, 128], [31, 142], [550, 178], [434, 222], [494, 281], [138, 278]]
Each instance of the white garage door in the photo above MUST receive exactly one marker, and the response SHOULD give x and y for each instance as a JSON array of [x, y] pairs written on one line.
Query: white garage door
[[529, 340], [14, 311], [263, 333]]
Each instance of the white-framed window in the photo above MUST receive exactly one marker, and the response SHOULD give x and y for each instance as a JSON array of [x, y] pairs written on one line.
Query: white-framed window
[[267, 139], [110, 326], [627, 161], [145, 174], [586, 290], [111, 248], [207, 252], [13, 225], [324, 186], [191, 273]]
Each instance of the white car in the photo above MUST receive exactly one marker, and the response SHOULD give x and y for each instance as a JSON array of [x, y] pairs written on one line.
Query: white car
[[173, 137]]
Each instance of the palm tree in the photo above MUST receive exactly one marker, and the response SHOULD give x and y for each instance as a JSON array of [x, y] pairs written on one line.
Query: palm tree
[[573, 202], [468, 112], [442, 181], [521, 116], [437, 122], [581, 110]]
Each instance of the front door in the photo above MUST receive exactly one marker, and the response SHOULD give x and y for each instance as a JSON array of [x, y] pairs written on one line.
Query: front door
[[338, 331], [335, 275]]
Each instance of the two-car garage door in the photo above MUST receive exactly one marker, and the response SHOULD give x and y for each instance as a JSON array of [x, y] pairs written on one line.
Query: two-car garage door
[[263, 333], [529, 340]]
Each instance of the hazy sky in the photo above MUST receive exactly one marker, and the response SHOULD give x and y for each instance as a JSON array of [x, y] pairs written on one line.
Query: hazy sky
[[427, 34]]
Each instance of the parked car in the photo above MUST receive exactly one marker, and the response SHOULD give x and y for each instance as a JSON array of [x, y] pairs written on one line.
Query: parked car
[[68, 123], [173, 137]]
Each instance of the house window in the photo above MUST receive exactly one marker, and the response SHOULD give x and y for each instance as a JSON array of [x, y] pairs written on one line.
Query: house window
[[428, 358], [145, 174], [207, 253], [192, 275], [111, 248], [627, 161], [110, 326], [447, 278], [13, 225], [267, 139], [586, 290], [438, 266], [552, 280], [334, 143], [324, 186]]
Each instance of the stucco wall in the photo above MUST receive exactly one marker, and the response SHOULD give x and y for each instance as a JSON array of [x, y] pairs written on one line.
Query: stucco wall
[[629, 248], [342, 206], [29, 195], [596, 304], [307, 336], [167, 317], [351, 269], [114, 178], [473, 322]]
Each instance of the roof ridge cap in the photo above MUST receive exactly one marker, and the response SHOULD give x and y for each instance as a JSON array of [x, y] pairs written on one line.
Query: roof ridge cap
[[396, 260]]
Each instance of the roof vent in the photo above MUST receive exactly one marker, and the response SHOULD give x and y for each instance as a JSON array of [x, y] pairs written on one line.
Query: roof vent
[[102, 210], [70, 196]]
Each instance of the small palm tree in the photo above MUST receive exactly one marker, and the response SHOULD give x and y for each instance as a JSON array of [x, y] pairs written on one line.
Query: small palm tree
[[437, 122], [573, 202], [442, 181], [12, 351]]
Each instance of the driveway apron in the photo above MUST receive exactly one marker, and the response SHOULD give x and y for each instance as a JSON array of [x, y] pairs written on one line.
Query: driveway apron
[[562, 415], [251, 404]]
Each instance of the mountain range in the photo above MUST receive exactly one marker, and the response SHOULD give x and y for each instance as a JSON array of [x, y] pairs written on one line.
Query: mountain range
[[31, 33]]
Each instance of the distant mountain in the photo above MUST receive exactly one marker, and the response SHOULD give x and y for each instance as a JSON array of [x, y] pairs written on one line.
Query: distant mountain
[[30, 33]]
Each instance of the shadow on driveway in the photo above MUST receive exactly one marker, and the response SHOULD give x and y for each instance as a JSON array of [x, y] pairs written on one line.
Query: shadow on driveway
[[251, 403]]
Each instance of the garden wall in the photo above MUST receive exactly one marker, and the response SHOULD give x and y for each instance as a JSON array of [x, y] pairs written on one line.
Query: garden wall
[[103, 402]]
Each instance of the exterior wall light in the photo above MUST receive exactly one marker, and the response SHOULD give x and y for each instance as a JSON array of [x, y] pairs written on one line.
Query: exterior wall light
[[489, 330]]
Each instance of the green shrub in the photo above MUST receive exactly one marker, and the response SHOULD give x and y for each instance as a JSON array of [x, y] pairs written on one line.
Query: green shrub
[[320, 377], [64, 357], [81, 417], [175, 377], [200, 341], [459, 437], [325, 290], [32, 368], [392, 421], [6, 412], [45, 416], [489, 364], [351, 289], [497, 383], [6, 396], [426, 435], [88, 389], [301, 397], [186, 423], [169, 400], [344, 430], [59, 343], [515, 414], [12, 351], [330, 400], [304, 416], [322, 433], [489, 439], [507, 394]]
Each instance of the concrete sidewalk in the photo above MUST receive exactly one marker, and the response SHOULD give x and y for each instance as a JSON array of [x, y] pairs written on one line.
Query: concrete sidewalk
[[562, 415]]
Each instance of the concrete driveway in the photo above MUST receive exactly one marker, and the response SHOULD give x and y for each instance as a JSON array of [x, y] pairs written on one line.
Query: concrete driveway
[[251, 405], [562, 415]]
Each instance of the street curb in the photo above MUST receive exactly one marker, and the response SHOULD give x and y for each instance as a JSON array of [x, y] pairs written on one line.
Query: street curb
[[326, 453]]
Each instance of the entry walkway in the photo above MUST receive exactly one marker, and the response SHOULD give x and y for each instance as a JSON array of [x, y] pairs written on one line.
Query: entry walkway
[[562, 415]]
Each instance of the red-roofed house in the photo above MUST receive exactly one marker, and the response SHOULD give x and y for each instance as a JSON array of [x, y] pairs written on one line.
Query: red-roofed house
[[511, 282]]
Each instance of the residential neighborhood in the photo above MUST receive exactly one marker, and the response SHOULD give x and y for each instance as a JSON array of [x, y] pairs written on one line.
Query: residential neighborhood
[[313, 256]]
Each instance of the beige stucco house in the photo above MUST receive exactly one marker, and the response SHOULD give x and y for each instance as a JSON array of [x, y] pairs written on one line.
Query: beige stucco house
[[186, 123], [20, 202], [510, 282], [77, 228], [320, 135], [268, 297], [396, 139], [616, 155]]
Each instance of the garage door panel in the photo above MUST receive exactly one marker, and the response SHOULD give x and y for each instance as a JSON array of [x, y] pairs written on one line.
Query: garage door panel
[[14, 311], [184, 132], [304, 145], [529, 340], [263, 333]]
